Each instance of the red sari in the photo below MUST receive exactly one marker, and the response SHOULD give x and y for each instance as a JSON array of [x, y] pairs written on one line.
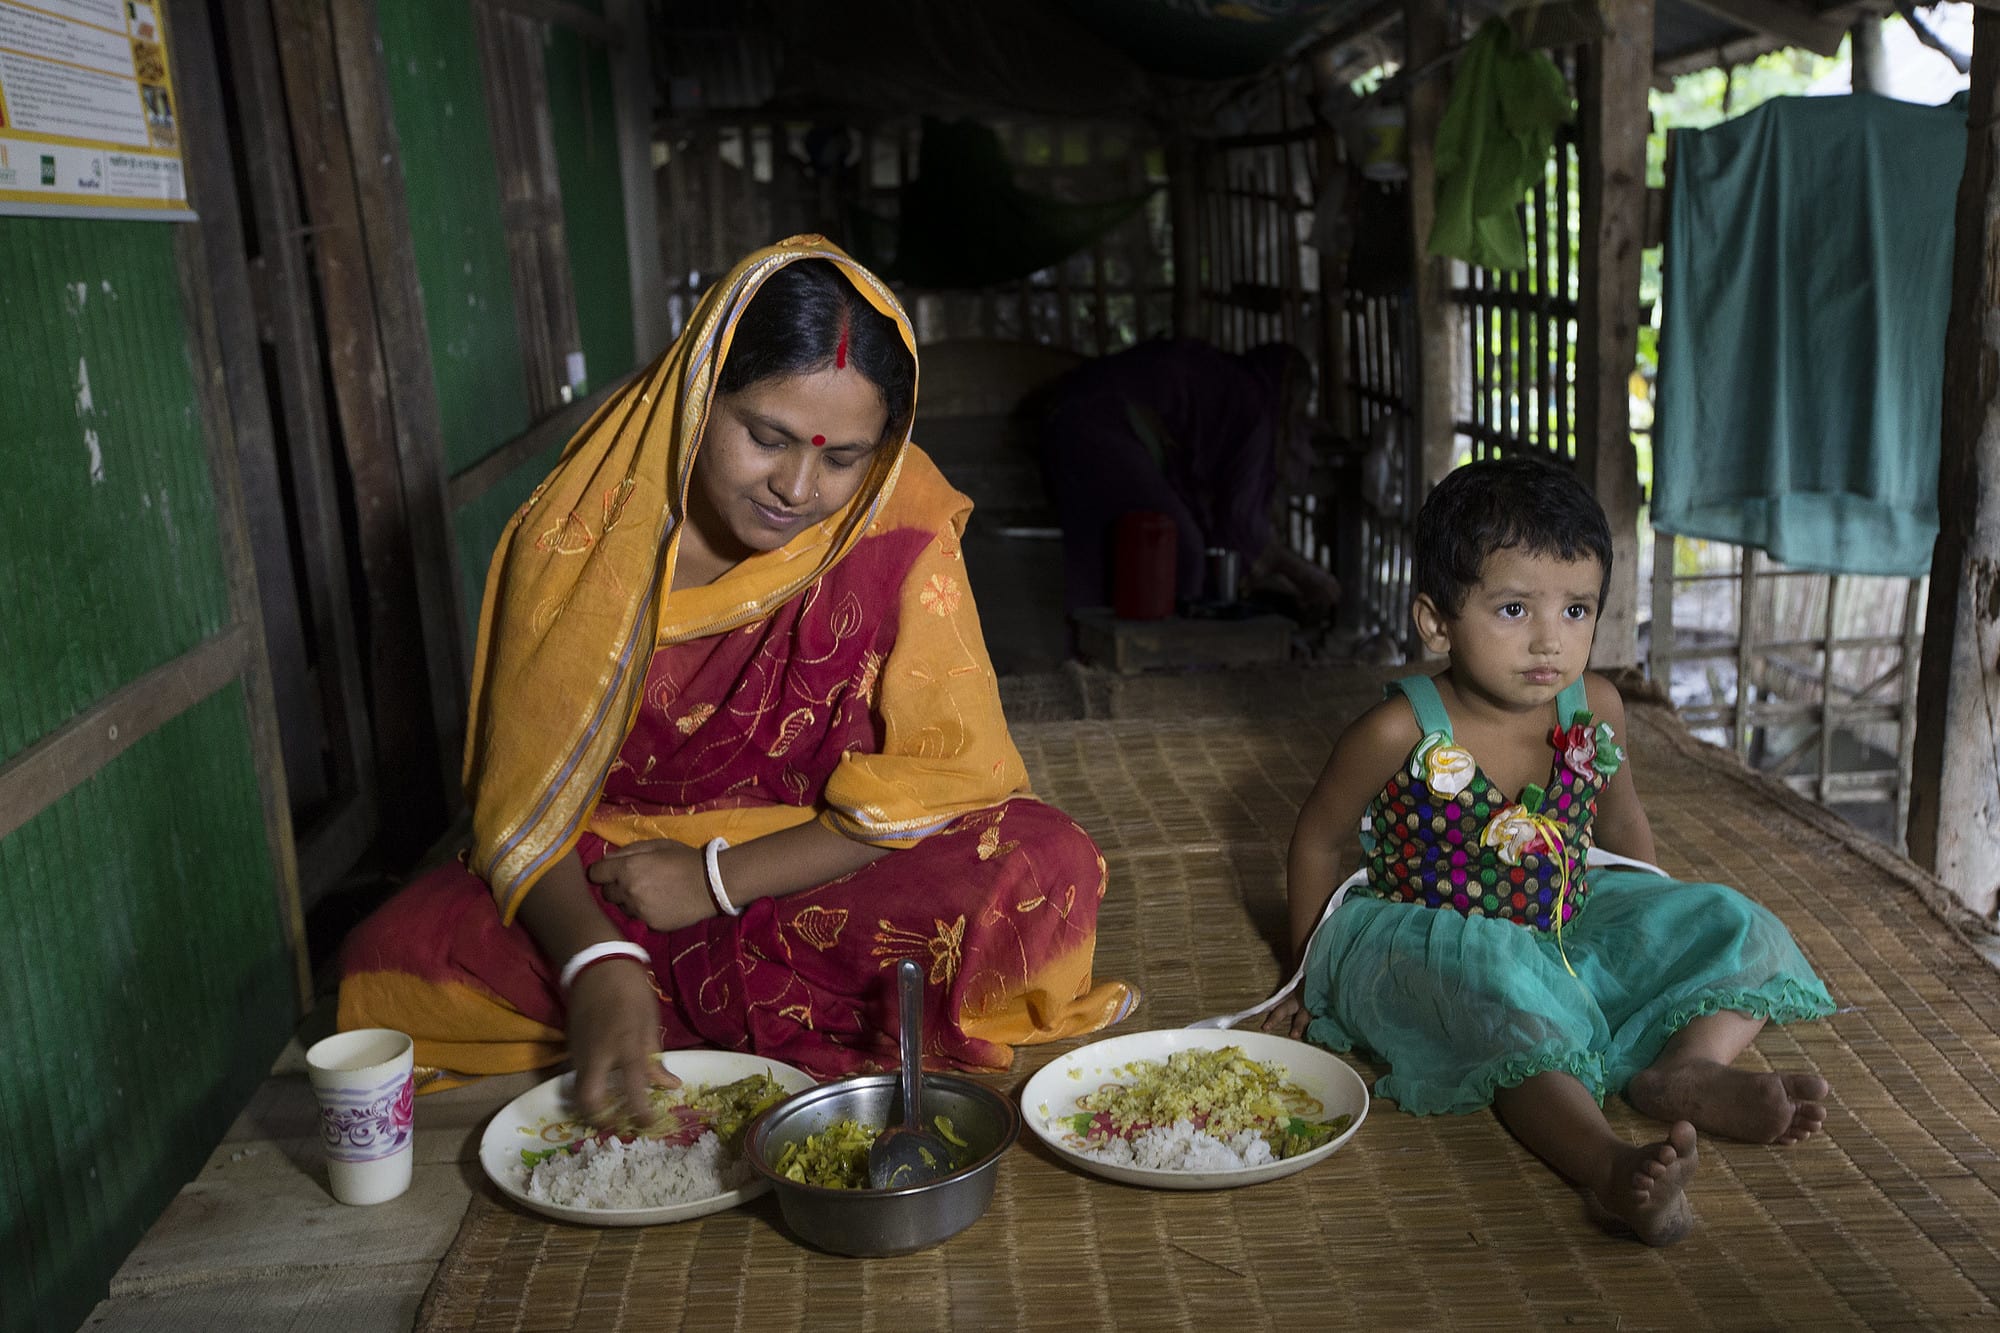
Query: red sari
[[751, 727]]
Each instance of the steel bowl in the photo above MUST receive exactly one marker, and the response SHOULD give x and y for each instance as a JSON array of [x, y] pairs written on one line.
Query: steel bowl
[[897, 1221]]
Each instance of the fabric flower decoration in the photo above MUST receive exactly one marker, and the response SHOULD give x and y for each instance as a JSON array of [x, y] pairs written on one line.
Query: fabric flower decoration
[[1610, 754], [1578, 747], [1514, 833], [1443, 767]]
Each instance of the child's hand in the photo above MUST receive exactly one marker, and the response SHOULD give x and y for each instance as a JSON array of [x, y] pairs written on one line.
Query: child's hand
[[1288, 1018]]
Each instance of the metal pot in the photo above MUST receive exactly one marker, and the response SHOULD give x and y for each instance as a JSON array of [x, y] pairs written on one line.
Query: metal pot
[[879, 1222]]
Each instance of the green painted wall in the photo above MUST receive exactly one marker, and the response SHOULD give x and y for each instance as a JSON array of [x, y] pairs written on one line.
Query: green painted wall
[[144, 981], [432, 56], [586, 133], [107, 525], [147, 990]]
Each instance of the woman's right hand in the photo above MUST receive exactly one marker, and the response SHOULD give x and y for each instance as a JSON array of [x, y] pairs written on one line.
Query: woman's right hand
[[1287, 1018], [613, 1013], [614, 1034]]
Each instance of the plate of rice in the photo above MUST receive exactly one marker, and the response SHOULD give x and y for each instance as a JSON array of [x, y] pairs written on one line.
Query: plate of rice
[[688, 1163], [1195, 1109]]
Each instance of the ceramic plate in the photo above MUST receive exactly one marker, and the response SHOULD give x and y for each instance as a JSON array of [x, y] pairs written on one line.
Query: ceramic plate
[[519, 1124], [1052, 1094]]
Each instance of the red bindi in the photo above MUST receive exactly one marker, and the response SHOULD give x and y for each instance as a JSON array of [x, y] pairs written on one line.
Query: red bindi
[[819, 441]]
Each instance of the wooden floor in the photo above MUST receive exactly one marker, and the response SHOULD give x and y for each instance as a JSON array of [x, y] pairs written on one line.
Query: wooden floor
[[256, 1243]]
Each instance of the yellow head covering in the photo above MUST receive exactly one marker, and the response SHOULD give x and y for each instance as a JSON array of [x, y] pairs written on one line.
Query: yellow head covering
[[576, 597]]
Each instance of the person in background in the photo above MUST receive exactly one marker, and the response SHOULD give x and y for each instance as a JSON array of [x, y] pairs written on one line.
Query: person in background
[[1180, 427]]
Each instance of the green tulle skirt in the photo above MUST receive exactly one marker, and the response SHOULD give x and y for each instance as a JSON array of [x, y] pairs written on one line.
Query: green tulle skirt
[[1460, 1006]]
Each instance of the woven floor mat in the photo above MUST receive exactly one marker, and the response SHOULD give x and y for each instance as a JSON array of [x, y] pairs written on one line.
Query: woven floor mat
[[1888, 1219]]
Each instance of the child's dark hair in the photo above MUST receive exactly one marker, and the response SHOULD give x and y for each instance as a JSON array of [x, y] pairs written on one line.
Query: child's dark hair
[[808, 317], [1523, 503]]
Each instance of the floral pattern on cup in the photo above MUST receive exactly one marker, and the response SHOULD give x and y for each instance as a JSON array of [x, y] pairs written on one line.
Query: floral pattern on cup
[[363, 1124]]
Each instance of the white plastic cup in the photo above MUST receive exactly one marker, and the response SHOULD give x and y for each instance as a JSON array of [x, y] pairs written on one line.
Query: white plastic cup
[[367, 1094]]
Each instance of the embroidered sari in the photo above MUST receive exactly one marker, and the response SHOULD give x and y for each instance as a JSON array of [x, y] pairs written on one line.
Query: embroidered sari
[[841, 678]]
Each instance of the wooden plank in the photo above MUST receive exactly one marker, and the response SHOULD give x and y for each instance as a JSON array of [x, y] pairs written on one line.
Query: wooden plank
[[1794, 25], [1954, 827], [1662, 649], [230, 292], [400, 722], [1746, 656], [288, 327], [1907, 720], [73, 753], [1826, 691], [418, 434], [475, 481], [1426, 32], [319, 1300], [1614, 124], [222, 327]]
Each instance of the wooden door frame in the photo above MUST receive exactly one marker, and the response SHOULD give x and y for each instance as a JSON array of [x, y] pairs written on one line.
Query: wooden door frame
[[333, 838], [346, 159]]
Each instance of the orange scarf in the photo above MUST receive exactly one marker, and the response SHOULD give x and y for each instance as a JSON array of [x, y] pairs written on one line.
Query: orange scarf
[[576, 596]]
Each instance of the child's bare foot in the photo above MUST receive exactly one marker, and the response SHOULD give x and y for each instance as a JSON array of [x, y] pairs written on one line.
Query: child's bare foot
[[1648, 1187], [1735, 1103]]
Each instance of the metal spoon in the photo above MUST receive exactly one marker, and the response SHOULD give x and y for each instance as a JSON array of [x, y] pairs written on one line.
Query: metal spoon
[[908, 1154]]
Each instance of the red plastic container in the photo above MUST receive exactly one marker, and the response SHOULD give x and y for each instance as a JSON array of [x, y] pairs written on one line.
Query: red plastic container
[[1142, 566]]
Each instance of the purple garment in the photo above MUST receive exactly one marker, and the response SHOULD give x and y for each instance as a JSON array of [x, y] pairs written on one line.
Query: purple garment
[[1220, 410]]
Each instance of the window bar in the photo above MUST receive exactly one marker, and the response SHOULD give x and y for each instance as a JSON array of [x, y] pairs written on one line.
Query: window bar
[[1751, 559]]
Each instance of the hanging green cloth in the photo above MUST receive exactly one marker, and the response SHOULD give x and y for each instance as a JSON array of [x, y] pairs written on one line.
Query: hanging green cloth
[[1807, 284], [1493, 147], [964, 223]]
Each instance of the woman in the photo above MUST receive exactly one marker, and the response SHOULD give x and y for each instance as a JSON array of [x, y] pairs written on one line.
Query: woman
[[1180, 427], [735, 745]]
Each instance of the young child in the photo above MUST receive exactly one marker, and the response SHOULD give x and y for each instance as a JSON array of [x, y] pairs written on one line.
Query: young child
[[1475, 955]]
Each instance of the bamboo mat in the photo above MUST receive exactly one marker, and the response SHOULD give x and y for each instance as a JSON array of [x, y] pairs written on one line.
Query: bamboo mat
[[1888, 1219]]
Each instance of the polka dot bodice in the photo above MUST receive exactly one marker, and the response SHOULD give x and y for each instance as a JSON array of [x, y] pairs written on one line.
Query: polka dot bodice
[[1441, 834]]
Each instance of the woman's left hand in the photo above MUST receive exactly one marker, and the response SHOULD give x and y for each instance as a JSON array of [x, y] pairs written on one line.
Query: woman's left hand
[[659, 881]]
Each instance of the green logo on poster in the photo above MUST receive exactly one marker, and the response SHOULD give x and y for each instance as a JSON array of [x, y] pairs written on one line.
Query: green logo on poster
[[48, 169]]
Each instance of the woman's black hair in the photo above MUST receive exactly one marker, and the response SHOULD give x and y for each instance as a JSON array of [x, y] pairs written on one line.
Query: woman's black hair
[[1525, 503], [808, 317]]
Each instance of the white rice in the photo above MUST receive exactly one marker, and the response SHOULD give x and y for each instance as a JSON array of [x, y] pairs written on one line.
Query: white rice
[[646, 1173], [1182, 1147]]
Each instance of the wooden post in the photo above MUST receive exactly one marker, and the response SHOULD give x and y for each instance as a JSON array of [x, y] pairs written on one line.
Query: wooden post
[[411, 760], [1618, 72], [1867, 60], [406, 365], [1427, 31], [1955, 780]]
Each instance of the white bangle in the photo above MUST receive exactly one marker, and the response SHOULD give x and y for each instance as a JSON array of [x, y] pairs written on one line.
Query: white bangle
[[711, 855], [592, 953]]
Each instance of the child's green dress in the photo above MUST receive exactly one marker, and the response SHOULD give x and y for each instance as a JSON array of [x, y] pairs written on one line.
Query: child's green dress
[[1449, 963]]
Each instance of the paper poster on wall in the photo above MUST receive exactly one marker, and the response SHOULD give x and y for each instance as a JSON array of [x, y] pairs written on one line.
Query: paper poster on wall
[[88, 126]]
